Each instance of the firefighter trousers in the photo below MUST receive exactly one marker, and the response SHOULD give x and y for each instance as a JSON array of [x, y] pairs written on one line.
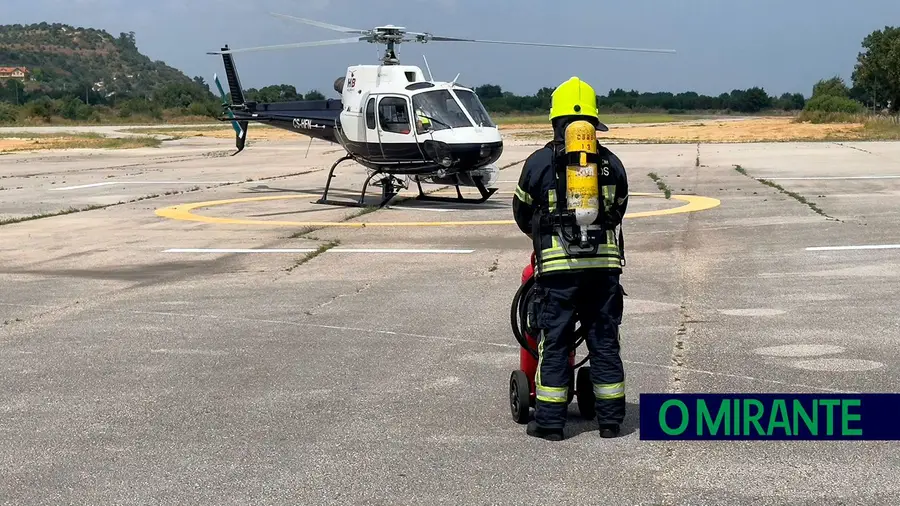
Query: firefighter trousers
[[595, 299]]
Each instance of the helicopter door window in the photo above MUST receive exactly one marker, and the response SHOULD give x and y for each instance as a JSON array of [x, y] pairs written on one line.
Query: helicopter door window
[[393, 114], [370, 114]]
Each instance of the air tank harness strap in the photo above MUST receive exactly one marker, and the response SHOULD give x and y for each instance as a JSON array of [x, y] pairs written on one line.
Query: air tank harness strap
[[537, 226], [580, 158]]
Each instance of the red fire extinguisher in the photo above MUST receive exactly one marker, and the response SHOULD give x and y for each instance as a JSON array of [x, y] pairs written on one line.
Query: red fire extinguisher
[[521, 382]]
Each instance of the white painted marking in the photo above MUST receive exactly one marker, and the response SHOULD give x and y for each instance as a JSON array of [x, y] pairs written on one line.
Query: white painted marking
[[752, 312], [848, 248], [237, 250], [824, 178], [799, 350], [111, 183], [94, 185], [837, 365], [310, 250]]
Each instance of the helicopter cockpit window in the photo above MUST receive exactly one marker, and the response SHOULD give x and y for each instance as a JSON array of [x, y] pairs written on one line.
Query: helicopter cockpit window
[[475, 107], [438, 110], [394, 115]]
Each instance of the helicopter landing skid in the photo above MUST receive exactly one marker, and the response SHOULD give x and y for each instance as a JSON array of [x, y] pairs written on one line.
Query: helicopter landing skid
[[486, 193], [390, 186]]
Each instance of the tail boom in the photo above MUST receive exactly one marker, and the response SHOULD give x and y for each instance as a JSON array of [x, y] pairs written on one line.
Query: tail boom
[[318, 119]]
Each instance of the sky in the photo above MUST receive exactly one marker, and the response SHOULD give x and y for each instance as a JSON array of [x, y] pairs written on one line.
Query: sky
[[721, 45]]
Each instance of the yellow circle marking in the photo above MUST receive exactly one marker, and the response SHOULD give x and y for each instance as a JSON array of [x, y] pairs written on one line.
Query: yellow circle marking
[[184, 212]]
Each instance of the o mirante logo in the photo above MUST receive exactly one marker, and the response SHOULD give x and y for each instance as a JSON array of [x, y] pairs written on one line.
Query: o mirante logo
[[769, 416]]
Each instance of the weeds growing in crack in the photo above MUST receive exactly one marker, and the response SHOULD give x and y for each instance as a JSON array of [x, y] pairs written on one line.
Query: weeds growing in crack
[[796, 196], [309, 256], [71, 210], [661, 184], [303, 232], [362, 212]]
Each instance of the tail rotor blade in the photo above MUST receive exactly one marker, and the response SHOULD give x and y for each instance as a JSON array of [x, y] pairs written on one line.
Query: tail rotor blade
[[327, 26], [543, 44], [234, 124], [290, 46]]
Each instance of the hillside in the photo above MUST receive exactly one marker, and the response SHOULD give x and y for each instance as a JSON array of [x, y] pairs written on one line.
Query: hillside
[[66, 58]]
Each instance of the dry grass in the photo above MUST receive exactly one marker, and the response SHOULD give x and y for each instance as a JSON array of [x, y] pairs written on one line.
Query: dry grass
[[749, 130], [505, 121], [169, 117], [10, 142], [257, 132]]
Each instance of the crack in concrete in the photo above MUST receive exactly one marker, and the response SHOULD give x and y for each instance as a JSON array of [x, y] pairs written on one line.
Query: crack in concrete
[[334, 298], [794, 195]]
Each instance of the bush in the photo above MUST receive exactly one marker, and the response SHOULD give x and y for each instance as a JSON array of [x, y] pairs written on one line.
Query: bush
[[139, 107], [211, 109], [8, 113], [44, 108], [834, 103], [832, 109], [76, 110]]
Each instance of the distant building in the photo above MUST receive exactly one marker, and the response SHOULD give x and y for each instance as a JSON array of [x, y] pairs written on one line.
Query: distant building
[[19, 73]]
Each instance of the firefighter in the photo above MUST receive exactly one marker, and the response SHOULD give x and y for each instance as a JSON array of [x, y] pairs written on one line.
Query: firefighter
[[567, 289], [423, 123]]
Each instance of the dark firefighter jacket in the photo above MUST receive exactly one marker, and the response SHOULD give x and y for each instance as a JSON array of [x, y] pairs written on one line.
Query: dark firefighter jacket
[[537, 189]]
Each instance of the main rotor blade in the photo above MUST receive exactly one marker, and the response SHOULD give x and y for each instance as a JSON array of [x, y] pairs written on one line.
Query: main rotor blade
[[327, 26], [288, 46], [607, 48]]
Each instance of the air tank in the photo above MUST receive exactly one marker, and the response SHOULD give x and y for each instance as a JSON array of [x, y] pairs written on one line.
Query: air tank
[[582, 185]]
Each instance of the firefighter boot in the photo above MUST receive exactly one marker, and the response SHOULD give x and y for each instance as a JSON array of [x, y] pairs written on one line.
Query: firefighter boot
[[609, 430], [547, 433]]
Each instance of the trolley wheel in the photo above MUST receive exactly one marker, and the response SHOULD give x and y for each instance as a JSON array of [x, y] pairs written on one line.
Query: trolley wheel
[[519, 396], [585, 389]]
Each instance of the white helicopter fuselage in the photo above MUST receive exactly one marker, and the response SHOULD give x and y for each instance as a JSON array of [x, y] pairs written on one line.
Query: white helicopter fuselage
[[393, 116]]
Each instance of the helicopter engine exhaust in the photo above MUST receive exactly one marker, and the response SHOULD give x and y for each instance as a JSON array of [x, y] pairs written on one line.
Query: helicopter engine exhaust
[[339, 84]]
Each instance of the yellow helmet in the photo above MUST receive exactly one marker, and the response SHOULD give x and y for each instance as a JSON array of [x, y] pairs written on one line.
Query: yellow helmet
[[575, 98]]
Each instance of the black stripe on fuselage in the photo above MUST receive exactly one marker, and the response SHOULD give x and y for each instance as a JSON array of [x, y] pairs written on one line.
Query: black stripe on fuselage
[[410, 157]]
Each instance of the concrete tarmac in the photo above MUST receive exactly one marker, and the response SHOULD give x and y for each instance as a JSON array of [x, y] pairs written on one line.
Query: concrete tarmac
[[150, 352]]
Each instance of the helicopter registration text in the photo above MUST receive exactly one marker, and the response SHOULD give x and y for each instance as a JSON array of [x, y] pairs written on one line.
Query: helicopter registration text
[[305, 124]]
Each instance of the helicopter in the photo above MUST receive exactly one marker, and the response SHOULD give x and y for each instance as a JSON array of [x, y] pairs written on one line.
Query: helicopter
[[390, 119]]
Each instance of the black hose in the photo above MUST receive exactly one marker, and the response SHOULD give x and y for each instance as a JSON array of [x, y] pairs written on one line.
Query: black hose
[[517, 313], [519, 318]]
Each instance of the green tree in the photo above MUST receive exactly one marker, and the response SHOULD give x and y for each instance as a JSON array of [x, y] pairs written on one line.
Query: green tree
[[877, 70], [489, 91], [833, 87], [314, 95]]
